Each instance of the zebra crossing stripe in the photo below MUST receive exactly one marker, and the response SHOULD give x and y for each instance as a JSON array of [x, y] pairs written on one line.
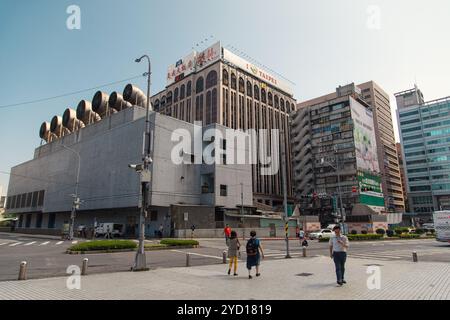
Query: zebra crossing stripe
[[74, 242], [44, 243], [15, 244], [2, 244], [59, 242], [30, 243], [374, 256]]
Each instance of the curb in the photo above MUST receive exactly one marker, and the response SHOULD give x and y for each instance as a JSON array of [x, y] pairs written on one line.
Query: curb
[[129, 250]]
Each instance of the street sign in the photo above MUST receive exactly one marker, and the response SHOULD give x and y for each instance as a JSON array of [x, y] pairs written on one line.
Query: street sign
[[186, 216], [286, 228]]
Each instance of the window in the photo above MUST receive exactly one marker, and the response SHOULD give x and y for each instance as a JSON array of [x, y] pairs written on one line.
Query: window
[[223, 190], [270, 99], [153, 215], [277, 102], [169, 98], [421, 188], [39, 220], [211, 79], [199, 85], [189, 89], [28, 221], [182, 92], [256, 92], [263, 96], [156, 105], [28, 203], [175, 95], [163, 101], [282, 104], [41, 198], [225, 79], [402, 115], [241, 85], [249, 89], [233, 81]]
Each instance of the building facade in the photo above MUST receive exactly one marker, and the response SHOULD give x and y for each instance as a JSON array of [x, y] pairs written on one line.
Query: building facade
[[425, 139], [401, 164], [335, 155], [391, 179], [40, 190], [217, 86]]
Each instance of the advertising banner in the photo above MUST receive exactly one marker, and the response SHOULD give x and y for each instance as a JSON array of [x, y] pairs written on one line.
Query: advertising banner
[[370, 191], [364, 137]]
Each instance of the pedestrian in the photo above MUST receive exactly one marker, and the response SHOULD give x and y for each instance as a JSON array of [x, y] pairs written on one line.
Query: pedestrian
[[108, 233], [233, 249], [297, 232], [338, 252], [253, 250], [161, 230], [301, 234], [227, 233]]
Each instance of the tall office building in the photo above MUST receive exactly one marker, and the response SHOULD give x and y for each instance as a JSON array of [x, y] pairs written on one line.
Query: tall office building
[[401, 164], [425, 138], [218, 86], [391, 181], [335, 154]]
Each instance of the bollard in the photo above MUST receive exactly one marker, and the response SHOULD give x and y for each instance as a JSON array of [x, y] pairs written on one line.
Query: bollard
[[304, 251], [23, 271], [84, 267], [188, 259], [414, 254], [224, 256]]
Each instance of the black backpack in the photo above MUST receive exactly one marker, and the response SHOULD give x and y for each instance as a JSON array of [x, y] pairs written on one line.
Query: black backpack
[[251, 247]]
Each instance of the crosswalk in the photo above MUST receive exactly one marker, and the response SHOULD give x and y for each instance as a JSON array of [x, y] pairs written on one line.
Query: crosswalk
[[393, 254], [6, 243]]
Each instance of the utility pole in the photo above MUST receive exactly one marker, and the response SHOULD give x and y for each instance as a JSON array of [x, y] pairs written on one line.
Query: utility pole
[[242, 199], [140, 263], [76, 201], [283, 177]]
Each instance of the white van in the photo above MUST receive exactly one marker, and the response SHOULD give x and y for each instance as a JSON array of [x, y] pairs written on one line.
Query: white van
[[441, 221], [116, 229]]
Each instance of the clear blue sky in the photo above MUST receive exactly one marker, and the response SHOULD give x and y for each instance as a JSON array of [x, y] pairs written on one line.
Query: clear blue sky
[[316, 44]]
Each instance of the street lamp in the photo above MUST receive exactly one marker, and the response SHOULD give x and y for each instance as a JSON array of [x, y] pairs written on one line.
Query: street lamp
[[76, 201], [140, 263], [336, 169]]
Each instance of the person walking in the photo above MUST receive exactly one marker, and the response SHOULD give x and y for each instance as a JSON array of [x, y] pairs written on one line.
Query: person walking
[[227, 233], [233, 249], [161, 231], [338, 252], [253, 250]]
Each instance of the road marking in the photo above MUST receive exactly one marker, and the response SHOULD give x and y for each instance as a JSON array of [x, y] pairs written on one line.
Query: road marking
[[15, 244], [74, 242], [45, 243], [30, 243], [1, 244], [198, 254], [58, 243]]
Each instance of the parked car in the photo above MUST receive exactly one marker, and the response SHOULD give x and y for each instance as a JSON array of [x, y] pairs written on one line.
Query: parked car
[[116, 229], [322, 233]]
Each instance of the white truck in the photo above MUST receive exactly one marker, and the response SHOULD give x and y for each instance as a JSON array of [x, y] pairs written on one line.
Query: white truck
[[442, 225], [115, 229]]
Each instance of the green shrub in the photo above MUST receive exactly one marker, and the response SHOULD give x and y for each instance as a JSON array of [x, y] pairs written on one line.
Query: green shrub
[[409, 236], [353, 232], [380, 231], [363, 237], [363, 231], [104, 245], [389, 233], [431, 231], [420, 231], [398, 231], [179, 242]]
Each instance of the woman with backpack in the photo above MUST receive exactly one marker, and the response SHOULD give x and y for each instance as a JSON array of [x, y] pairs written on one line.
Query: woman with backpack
[[233, 249], [253, 249]]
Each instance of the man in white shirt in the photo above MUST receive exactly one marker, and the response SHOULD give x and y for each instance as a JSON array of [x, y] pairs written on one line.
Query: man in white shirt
[[338, 252]]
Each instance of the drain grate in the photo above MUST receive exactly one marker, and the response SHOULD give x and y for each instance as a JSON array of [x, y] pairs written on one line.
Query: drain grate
[[304, 274]]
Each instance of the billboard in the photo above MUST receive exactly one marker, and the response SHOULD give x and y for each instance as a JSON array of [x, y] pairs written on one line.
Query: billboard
[[256, 71], [364, 137], [193, 62], [370, 191]]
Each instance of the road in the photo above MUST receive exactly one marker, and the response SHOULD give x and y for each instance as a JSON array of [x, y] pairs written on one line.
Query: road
[[46, 256]]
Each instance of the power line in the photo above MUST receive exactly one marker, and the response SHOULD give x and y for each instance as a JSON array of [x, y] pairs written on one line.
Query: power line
[[66, 94]]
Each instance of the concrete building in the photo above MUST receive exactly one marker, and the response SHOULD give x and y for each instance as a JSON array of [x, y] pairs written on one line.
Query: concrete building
[[391, 180], [401, 164], [40, 190], [425, 137], [218, 86], [334, 147]]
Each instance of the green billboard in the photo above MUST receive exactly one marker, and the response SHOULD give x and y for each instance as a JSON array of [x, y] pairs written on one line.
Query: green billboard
[[370, 191]]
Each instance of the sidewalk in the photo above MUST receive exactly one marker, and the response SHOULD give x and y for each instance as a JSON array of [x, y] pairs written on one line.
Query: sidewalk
[[281, 279]]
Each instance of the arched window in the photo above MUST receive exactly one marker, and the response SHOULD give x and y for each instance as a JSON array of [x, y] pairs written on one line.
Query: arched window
[[241, 85], [169, 98], [282, 104], [233, 81], [263, 96], [156, 105], [225, 79], [163, 101], [277, 102], [249, 89], [211, 79], [189, 89], [199, 85], [256, 92], [270, 99], [176, 92], [182, 92]]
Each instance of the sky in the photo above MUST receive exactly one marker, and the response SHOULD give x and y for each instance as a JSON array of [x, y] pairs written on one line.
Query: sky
[[318, 45]]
